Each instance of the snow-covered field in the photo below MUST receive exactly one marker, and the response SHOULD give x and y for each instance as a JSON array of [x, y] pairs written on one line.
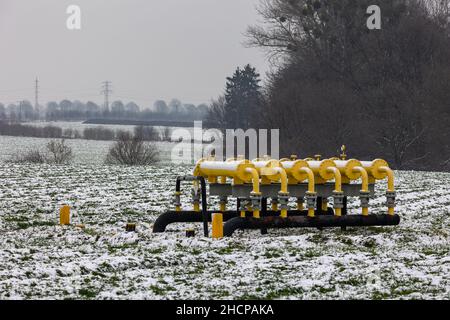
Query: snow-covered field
[[40, 259]]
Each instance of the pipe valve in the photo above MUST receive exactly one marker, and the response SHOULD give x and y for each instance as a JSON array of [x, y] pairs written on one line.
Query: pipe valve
[[390, 201], [364, 197], [338, 201], [256, 204], [311, 198], [283, 199]]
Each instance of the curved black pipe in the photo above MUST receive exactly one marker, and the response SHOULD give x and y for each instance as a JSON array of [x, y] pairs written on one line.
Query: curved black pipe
[[170, 217], [203, 195], [304, 222]]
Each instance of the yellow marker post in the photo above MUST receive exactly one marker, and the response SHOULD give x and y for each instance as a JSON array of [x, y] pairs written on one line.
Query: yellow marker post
[[64, 215], [217, 225]]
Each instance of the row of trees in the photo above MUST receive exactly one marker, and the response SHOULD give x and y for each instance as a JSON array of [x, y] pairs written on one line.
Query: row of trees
[[146, 133], [129, 149], [77, 110], [383, 93]]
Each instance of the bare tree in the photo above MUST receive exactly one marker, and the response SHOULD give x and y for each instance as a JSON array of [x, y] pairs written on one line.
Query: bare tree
[[59, 152], [166, 134], [56, 152], [131, 150]]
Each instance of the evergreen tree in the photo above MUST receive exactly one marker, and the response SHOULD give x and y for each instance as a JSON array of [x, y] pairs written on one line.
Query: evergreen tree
[[242, 100]]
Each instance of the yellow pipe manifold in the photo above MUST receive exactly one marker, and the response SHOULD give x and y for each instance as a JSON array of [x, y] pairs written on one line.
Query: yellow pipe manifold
[[326, 170], [352, 169], [298, 171], [293, 171], [272, 171], [378, 169]]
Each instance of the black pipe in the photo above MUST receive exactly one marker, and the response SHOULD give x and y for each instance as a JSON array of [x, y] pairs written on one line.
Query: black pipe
[[185, 216], [170, 217], [303, 222], [344, 212], [204, 200]]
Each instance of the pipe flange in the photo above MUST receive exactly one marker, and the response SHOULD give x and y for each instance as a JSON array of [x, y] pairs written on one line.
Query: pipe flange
[[311, 198], [338, 200], [256, 202], [243, 204], [364, 197], [390, 199], [283, 199]]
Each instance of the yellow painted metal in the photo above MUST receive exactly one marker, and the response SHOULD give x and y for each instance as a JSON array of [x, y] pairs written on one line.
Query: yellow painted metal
[[300, 205], [298, 171], [217, 225], [274, 206], [255, 180], [320, 169], [294, 170], [337, 185], [391, 187], [196, 207], [266, 170], [346, 169], [373, 169], [64, 215], [324, 204], [365, 185], [235, 169], [255, 191]]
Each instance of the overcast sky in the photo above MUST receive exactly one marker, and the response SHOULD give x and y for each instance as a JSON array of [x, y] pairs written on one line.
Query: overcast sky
[[149, 49]]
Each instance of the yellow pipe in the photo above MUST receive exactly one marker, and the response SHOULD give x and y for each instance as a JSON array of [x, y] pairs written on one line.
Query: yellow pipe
[[178, 205], [284, 187], [365, 185], [324, 204], [274, 206], [311, 186], [196, 203], [391, 187], [223, 206], [256, 191], [255, 179], [337, 185]]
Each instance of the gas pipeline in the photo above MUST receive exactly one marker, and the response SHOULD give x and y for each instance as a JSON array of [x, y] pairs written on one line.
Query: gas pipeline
[[265, 190]]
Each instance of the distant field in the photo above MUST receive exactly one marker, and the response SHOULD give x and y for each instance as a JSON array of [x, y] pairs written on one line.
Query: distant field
[[40, 259], [161, 123]]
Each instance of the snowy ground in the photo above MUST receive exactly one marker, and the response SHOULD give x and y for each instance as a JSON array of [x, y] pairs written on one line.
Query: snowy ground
[[40, 259]]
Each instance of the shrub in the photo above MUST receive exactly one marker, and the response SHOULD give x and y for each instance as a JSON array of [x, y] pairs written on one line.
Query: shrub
[[59, 152], [131, 150]]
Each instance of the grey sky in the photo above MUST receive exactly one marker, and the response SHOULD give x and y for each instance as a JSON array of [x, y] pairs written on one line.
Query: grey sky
[[149, 49]]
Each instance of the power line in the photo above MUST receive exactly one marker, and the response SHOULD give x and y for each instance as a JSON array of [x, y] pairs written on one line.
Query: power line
[[106, 91]]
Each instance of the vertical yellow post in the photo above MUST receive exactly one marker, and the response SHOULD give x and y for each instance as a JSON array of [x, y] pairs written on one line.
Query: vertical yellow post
[[324, 204], [217, 225], [64, 215]]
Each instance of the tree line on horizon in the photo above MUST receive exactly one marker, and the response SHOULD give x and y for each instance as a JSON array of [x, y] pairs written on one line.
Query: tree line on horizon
[[383, 93], [67, 110]]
